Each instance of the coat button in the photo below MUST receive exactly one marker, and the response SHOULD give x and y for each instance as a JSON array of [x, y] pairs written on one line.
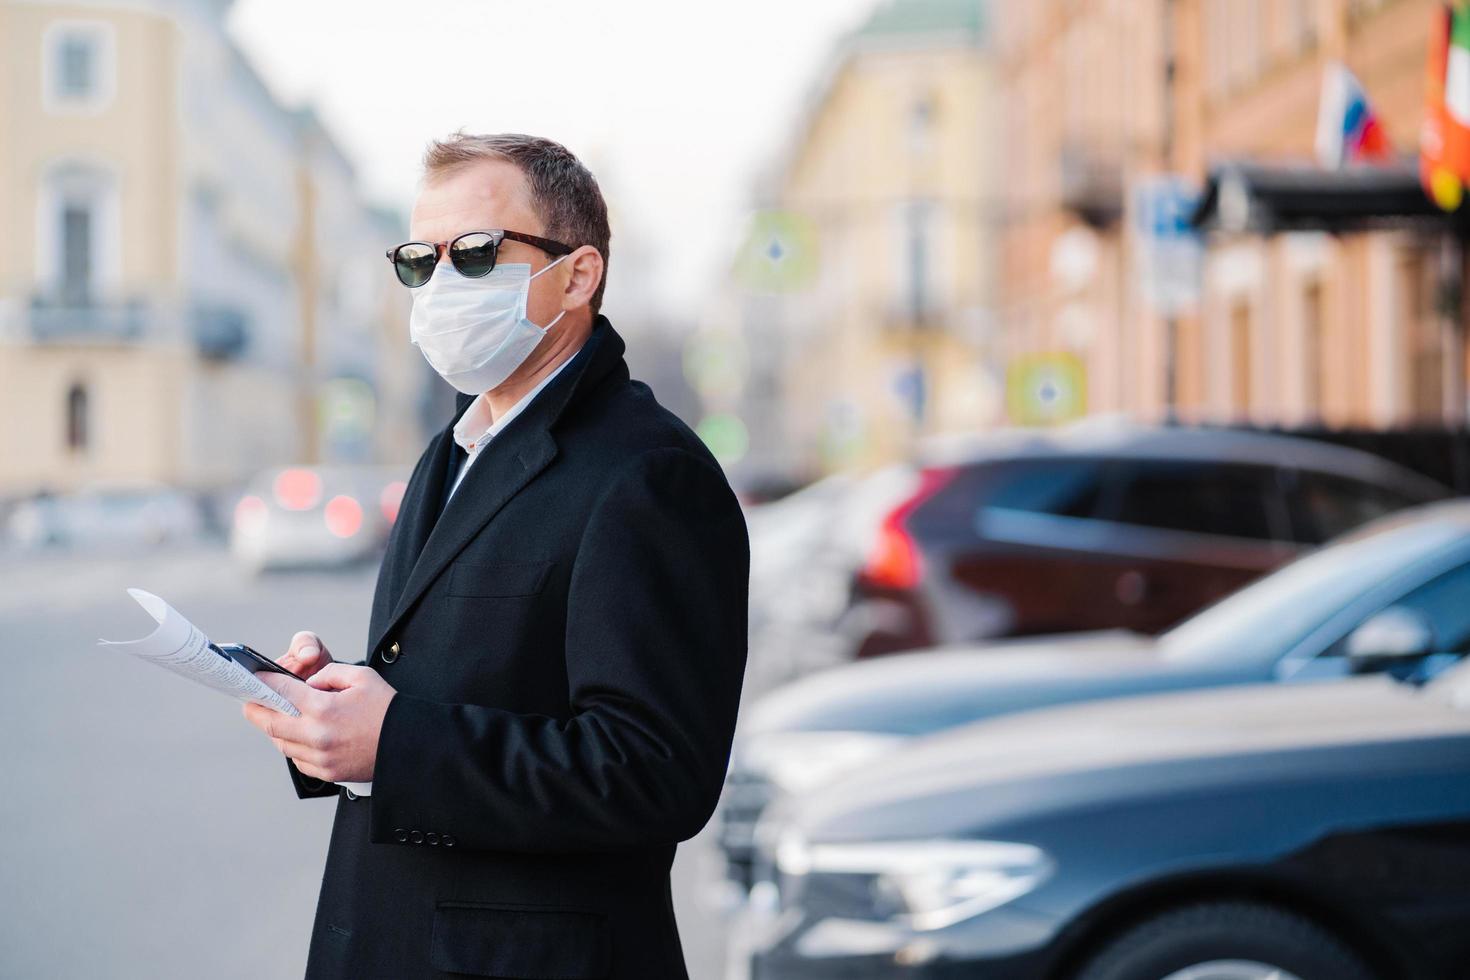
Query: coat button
[[417, 836], [401, 835], [431, 837], [448, 840], [391, 654]]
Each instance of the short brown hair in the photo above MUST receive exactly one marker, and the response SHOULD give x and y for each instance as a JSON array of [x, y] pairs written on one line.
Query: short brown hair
[[563, 191]]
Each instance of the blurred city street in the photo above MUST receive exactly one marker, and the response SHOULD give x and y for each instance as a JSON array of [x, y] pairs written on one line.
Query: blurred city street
[[150, 831], [1088, 379]]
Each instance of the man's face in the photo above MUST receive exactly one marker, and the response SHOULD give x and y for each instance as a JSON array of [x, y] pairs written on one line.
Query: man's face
[[490, 194]]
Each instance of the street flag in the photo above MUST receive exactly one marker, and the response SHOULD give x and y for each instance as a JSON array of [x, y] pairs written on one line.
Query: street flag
[[1444, 138], [1348, 130]]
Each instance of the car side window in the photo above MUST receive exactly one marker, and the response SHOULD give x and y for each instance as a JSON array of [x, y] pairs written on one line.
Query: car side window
[[1326, 505], [1065, 487], [1228, 499], [1442, 601], [1058, 486]]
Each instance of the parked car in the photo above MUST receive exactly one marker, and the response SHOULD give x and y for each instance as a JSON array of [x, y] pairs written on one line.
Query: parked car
[[313, 516], [1394, 589], [1102, 525], [113, 515], [1311, 833], [804, 549]]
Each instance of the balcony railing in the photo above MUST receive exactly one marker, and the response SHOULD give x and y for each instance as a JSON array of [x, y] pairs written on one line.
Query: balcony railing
[[57, 319], [217, 332]]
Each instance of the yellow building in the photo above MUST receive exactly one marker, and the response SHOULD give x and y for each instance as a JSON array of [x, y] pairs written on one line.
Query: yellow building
[[881, 206], [155, 320], [1289, 327]]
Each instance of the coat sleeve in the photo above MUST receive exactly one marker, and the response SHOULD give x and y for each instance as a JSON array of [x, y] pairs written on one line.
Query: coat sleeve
[[655, 657]]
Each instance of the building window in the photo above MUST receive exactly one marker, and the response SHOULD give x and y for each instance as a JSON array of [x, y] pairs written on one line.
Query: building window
[[77, 247], [1312, 320], [1234, 44], [1304, 24], [1240, 357], [78, 434], [76, 253], [921, 125], [918, 289], [78, 66], [1426, 344]]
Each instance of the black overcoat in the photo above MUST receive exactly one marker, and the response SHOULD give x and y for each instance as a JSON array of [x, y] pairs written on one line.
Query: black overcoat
[[567, 640]]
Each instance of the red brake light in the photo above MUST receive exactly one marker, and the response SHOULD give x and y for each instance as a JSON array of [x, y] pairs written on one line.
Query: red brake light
[[391, 499], [343, 515], [297, 489], [894, 562], [250, 513]]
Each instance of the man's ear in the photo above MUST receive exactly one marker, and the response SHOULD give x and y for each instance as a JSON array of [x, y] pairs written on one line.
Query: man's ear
[[587, 268]]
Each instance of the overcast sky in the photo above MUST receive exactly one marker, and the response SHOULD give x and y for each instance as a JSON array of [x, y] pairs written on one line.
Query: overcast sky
[[675, 104]]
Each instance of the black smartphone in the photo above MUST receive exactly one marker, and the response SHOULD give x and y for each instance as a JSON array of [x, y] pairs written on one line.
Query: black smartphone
[[252, 660]]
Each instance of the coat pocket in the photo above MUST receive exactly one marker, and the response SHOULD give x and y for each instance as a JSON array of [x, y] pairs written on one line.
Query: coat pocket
[[502, 578], [524, 942]]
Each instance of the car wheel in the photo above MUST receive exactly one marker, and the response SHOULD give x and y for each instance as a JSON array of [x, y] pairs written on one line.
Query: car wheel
[[1226, 941]]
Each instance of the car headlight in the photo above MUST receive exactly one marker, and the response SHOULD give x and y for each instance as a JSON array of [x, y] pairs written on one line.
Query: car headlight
[[797, 761], [927, 884]]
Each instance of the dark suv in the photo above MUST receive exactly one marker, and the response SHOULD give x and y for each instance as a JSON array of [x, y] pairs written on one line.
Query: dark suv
[[1103, 526]]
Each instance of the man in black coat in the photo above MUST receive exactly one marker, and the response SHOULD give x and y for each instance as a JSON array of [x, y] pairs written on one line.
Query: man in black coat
[[558, 635]]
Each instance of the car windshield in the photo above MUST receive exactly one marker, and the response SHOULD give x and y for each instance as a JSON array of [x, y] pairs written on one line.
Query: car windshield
[[1283, 607]]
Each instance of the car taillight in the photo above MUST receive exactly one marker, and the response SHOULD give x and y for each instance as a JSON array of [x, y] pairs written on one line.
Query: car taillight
[[895, 562], [250, 514], [391, 499], [343, 515], [297, 489]]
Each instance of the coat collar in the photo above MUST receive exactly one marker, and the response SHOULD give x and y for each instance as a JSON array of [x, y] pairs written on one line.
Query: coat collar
[[511, 460]]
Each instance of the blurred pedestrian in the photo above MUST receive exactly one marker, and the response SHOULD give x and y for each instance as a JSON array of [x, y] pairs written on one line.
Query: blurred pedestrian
[[558, 634]]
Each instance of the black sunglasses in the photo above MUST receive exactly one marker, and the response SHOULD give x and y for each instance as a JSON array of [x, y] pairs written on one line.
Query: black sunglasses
[[472, 253]]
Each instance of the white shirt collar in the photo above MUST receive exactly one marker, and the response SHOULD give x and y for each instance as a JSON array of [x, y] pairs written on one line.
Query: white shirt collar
[[474, 428]]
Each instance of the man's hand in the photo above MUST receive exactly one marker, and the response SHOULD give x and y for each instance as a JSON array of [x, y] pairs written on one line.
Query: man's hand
[[308, 654], [342, 709]]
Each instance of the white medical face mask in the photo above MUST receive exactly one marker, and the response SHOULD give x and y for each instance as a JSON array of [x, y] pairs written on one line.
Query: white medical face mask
[[474, 332]]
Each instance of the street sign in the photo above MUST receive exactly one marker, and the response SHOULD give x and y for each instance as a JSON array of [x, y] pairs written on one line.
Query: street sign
[[1170, 250], [1043, 389]]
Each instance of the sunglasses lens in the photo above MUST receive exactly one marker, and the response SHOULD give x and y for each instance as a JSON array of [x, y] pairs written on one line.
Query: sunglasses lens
[[473, 254], [415, 263]]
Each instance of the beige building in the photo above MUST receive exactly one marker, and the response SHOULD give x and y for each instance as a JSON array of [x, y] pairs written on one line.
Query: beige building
[[1288, 327], [881, 203], [168, 309]]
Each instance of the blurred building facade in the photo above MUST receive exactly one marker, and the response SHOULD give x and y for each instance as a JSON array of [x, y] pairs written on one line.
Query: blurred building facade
[[191, 286], [861, 299], [1113, 106]]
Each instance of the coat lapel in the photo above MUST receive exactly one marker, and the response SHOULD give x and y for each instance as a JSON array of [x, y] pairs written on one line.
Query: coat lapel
[[513, 459]]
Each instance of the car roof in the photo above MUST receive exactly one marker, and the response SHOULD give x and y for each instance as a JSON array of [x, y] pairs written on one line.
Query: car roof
[[1115, 437]]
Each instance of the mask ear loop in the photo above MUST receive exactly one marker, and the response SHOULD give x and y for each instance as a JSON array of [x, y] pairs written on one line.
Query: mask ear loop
[[548, 265], [533, 276]]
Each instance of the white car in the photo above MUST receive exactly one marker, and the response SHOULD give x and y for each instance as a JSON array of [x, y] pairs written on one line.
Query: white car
[[106, 516], [313, 516]]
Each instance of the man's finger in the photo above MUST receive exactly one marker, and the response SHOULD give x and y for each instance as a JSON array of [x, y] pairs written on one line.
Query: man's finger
[[304, 653], [315, 772], [336, 677], [278, 725], [289, 688]]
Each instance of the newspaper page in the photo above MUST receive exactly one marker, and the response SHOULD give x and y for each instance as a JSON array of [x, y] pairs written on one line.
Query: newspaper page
[[180, 646]]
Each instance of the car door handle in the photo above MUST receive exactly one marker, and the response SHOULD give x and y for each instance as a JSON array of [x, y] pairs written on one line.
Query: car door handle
[[1132, 587]]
